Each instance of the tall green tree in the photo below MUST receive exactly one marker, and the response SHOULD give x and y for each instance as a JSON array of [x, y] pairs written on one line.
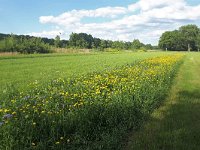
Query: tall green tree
[[148, 47], [103, 44], [81, 40], [182, 39], [57, 41], [172, 40], [136, 44], [190, 34], [198, 43]]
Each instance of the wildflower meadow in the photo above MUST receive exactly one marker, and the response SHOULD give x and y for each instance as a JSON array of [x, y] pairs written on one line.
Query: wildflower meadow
[[92, 111]]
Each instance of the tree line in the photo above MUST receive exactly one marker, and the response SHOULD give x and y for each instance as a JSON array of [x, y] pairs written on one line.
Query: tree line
[[23, 44], [29, 44], [83, 40], [186, 38], [26, 44]]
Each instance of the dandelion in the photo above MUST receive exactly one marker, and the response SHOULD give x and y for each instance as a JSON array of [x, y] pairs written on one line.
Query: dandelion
[[14, 113], [6, 110], [13, 101]]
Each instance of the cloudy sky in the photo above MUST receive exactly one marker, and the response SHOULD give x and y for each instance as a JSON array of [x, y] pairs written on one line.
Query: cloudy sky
[[123, 20]]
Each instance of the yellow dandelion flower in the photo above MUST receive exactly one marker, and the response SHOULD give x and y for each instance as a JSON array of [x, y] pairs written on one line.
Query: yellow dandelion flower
[[6, 110], [13, 101], [14, 113]]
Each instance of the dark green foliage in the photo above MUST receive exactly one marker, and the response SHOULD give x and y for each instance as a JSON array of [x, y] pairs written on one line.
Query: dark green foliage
[[57, 41], [137, 44], [83, 40], [149, 46], [186, 38], [23, 45], [190, 33], [51, 42], [96, 43]]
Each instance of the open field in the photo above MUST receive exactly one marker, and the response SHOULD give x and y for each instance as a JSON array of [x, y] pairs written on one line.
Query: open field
[[175, 125], [20, 70], [90, 104], [100, 75]]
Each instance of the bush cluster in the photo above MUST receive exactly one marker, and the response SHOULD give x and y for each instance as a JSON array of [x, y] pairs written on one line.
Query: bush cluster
[[24, 45]]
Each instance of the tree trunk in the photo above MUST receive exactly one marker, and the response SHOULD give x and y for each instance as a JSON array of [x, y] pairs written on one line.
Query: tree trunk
[[189, 47]]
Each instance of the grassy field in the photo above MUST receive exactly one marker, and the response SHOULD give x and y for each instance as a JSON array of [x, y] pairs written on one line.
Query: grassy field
[[19, 70], [175, 125], [92, 109]]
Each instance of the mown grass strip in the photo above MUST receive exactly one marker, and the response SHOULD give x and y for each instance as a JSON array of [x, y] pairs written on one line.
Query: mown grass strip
[[175, 125]]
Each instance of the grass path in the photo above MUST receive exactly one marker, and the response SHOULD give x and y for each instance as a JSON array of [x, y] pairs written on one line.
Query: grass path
[[176, 124]]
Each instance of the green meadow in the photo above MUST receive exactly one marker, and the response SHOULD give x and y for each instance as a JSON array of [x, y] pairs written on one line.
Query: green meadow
[[20, 70], [119, 100]]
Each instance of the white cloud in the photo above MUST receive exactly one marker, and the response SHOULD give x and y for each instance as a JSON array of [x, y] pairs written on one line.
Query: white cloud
[[145, 19], [50, 34], [74, 17], [145, 5]]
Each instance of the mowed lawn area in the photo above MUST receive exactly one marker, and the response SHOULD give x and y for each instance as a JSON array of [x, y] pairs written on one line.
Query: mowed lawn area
[[175, 125], [20, 70]]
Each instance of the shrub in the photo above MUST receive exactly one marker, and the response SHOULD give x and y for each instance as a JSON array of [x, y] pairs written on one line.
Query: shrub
[[24, 45]]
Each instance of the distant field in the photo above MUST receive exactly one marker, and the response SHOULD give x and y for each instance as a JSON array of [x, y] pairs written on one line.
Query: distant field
[[19, 70]]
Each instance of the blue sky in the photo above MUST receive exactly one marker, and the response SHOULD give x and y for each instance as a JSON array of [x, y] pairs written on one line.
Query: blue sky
[[22, 16], [107, 19]]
